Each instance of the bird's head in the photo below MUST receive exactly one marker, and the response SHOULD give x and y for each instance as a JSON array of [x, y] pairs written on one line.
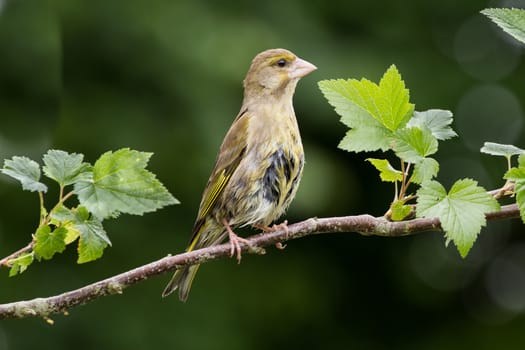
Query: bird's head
[[275, 71]]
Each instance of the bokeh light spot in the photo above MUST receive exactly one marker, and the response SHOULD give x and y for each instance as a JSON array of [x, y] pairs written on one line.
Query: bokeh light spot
[[489, 113], [505, 280], [482, 53]]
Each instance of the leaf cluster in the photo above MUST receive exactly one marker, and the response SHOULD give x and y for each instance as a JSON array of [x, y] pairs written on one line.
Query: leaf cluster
[[117, 183], [380, 117]]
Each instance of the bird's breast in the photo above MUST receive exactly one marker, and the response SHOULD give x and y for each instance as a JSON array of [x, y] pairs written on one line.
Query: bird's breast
[[266, 180], [272, 172]]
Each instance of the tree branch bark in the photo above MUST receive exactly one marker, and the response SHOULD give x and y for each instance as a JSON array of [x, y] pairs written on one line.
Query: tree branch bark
[[366, 225]]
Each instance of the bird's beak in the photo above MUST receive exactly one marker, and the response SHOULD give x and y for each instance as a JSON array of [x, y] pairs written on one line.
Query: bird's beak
[[301, 68]]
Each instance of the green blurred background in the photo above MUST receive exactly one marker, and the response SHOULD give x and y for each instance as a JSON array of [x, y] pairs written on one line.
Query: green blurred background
[[165, 76]]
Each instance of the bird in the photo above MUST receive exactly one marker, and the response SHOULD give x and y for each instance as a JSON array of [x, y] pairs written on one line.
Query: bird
[[259, 164]]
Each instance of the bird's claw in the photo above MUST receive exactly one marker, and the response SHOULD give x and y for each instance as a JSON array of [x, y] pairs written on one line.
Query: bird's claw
[[236, 249], [235, 244], [280, 246], [282, 226]]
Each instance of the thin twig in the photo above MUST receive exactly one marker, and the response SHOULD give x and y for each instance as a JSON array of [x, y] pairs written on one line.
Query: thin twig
[[364, 224], [5, 261]]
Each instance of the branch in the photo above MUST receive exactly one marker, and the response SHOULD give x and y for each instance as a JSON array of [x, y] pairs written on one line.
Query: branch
[[27, 248], [363, 224]]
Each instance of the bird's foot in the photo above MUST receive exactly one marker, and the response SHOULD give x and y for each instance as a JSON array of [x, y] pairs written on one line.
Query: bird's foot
[[235, 243], [282, 226]]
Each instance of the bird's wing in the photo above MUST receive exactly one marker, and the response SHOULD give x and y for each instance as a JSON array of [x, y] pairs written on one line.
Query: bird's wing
[[230, 155]]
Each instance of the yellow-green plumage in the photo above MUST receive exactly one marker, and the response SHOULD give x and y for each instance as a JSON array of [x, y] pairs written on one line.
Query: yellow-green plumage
[[260, 161]]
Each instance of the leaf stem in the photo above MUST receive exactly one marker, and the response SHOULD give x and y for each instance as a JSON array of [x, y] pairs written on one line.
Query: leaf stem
[[409, 198], [404, 170], [63, 198], [407, 182], [66, 197], [43, 213], [396, 191], [408, 169]]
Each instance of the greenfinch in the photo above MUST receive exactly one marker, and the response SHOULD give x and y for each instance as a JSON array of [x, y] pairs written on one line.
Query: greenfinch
[[259, 165]]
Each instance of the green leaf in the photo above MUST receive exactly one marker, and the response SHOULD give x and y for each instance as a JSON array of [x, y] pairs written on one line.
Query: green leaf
[[511, 21], [391, 101], [517, 175], [66, 218], [92, 243], [78, 223], [61, 214], [48, 242], [341, 94], [66, 168], [371, 111], [436, 120], [520, 197], [26, 171], [20, 264], [461, 211], [93, 239], [425, 170], [413, 144], [400, 210], [365, 139], [121, 184], [498, 149], [366, 133], [72, 232], [386, 171]]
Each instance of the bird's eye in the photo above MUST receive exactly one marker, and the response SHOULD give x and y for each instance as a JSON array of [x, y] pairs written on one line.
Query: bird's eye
[[281, 63]]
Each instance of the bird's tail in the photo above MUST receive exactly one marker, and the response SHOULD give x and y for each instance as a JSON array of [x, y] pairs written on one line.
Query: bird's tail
[[182, 280]]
